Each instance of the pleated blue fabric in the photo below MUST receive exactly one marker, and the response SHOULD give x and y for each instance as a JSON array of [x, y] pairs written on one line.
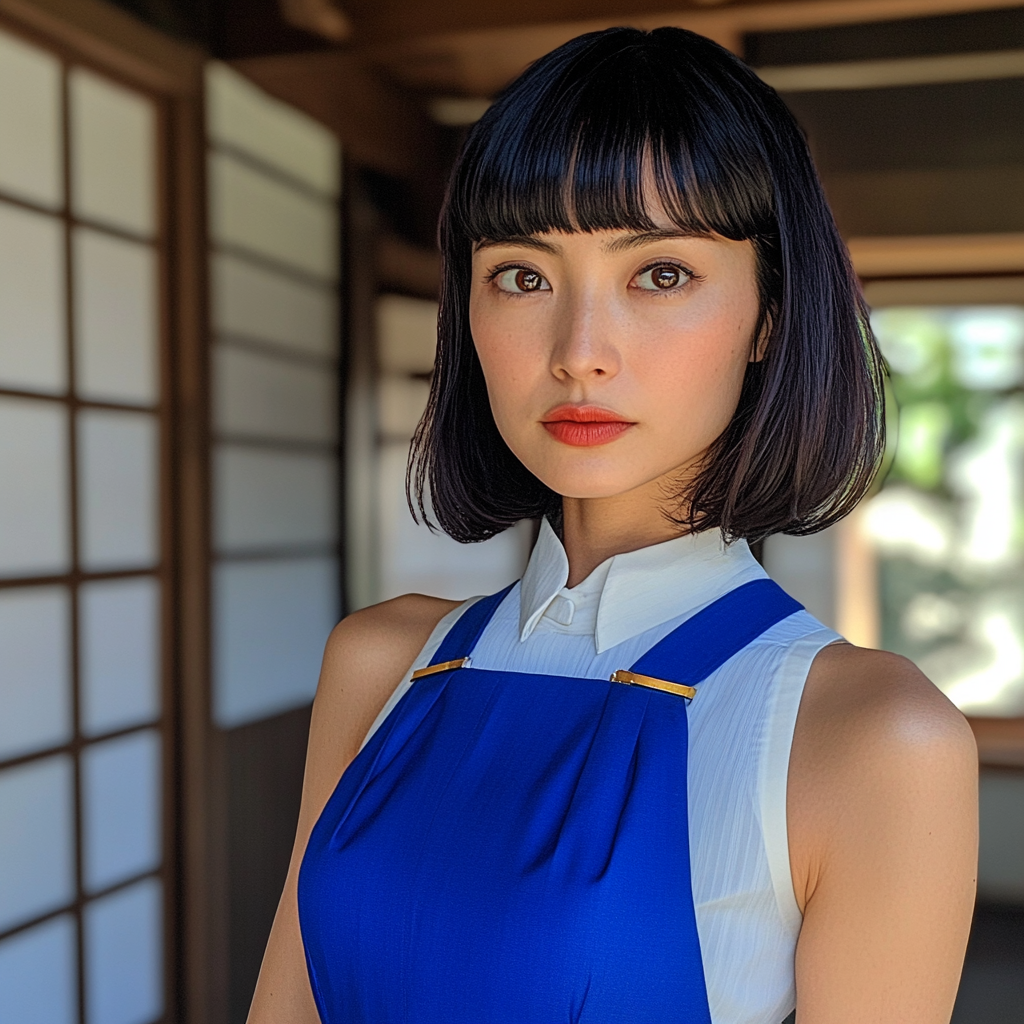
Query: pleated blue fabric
[[513, 848]]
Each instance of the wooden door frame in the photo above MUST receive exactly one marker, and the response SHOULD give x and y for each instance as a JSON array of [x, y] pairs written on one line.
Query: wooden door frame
[[112, 42]]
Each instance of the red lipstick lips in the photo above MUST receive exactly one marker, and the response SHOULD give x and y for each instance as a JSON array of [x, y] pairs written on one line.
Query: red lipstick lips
[[583, 426]]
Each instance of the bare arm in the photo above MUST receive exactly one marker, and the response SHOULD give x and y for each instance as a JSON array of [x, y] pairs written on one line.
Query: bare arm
[[883, 842], [367, 656]]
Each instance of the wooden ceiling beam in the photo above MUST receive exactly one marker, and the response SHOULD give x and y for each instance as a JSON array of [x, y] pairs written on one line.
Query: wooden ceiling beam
[[385, 21], [937, 255], [480, 62]]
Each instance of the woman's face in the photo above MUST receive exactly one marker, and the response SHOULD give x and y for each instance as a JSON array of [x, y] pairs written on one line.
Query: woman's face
[[613, 358]]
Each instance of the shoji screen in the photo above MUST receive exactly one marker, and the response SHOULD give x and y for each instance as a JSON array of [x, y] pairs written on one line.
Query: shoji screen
[[273, 177], [83, 731]]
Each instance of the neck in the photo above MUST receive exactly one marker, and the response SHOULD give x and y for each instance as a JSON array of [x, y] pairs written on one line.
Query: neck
[[595, 529]]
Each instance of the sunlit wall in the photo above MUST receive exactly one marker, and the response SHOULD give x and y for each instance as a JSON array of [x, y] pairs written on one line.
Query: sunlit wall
[[274, 176]]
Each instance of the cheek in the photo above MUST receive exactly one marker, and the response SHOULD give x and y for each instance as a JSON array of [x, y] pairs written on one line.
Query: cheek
[[509, 355], [698, 373], [494, 344]]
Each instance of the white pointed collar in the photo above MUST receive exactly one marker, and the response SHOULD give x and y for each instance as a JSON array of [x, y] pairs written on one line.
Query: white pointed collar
[[630, 593]]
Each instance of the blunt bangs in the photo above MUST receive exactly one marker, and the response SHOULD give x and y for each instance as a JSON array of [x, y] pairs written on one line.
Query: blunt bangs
[[572, 146], [592, 137]]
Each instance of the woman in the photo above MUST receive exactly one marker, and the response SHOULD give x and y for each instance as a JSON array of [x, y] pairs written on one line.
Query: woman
[[642, 785]]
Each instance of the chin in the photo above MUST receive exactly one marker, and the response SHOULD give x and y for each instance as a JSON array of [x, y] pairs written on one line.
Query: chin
[[597, 472], [593, 484]]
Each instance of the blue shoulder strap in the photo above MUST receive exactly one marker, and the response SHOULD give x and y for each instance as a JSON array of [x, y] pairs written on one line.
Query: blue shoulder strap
[[460, 640], [707, 640]]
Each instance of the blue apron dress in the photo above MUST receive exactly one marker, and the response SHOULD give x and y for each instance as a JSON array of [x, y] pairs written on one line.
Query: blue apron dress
[[513, 848]]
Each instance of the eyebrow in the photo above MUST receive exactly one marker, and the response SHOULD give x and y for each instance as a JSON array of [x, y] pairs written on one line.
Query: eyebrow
[[518, 241], [631, 241], [640, 238]]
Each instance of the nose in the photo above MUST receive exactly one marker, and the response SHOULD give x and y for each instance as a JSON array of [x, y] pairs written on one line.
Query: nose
[[585, 346]]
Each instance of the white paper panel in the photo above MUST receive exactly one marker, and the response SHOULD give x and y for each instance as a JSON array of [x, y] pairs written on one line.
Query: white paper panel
[[118, 489], [35, 664], [120, 653], [271, 621], [36, 839], [271, 498], [124, 956], [414, 560], [113, 160], [33, 355], [242, 115], [34, 529], [30, 148], [260, 396], [406, 334], [257, 303], [260, 214], [400, 404], [38, 974], [115, 319], [120, 808]]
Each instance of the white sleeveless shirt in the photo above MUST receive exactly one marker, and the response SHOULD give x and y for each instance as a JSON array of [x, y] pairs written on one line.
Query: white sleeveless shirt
[[740, 734]]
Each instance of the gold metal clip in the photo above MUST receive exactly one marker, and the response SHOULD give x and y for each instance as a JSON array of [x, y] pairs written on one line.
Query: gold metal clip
[[444, 666], [636, 679]]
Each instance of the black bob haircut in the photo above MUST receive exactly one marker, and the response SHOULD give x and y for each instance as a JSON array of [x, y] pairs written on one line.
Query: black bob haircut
[[566, 148]]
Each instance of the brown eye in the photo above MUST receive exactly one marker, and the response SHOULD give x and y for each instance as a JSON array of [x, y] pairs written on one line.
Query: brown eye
[[661, 278], [528, 280], [520, 279], [665, 277]]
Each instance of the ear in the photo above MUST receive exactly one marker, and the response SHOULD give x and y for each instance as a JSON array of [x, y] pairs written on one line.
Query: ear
[[764, 332]]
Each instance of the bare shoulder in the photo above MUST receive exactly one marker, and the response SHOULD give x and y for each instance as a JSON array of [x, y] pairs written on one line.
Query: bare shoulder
[[877, 747], [384, 637], [856, 696], [369, 652], [367, 655]]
